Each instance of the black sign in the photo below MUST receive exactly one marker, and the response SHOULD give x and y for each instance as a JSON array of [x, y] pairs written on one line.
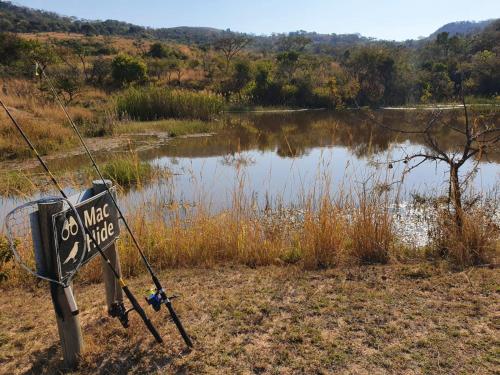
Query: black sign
[[100, 216]]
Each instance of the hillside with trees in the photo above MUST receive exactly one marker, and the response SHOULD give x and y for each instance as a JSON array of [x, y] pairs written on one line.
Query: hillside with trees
[[462, 28], [299, 69]]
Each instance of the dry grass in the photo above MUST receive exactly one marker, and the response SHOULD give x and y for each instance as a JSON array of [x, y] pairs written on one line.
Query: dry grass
[[342, 232], [417, 319], [16, 183], [477, 243], [339, 233], [43, 122]]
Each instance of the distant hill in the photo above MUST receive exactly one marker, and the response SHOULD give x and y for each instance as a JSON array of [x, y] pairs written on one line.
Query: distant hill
[[19, 19], [462, 28]]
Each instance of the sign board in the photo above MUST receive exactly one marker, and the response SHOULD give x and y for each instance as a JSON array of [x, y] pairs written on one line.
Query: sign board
[[100, 216]]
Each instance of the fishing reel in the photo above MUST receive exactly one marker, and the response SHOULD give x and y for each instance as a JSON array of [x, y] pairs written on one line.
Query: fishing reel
[[155, 299], [118, 310]]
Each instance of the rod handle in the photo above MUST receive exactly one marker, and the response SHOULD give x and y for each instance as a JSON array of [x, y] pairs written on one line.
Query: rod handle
[[137, 307]]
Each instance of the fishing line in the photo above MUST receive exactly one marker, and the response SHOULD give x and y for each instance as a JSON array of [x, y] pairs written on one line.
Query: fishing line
[[123, 285], [159, 296]]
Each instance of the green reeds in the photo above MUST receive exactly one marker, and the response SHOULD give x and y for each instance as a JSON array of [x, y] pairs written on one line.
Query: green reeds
[[154, 103], [128, 171]]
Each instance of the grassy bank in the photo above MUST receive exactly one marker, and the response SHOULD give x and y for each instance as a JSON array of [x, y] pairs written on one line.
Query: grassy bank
[[172, 127], [43, 120], [273, 320], [47, 127]]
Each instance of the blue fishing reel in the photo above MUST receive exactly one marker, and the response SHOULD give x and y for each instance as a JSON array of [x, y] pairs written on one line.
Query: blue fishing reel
[[154, 299]]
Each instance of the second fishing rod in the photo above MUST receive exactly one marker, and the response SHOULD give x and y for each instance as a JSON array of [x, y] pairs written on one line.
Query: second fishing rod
[[159, 295], [135, 304]]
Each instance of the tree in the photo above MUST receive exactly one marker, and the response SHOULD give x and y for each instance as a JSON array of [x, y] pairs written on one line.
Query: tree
[[11, 48], [43, 53], [158, 50], [68, 83], [436, 83], [230, 46], [126, 69], [374, 69], [476, 141], [101, 70], [242, 75], [158, 67], [79, 49], [485, 73], [297, 43], [287, 64]]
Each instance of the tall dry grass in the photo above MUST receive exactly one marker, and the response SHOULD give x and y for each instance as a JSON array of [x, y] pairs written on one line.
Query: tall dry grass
[[44, 123], [337, 232], [341, 232], [476, 243]]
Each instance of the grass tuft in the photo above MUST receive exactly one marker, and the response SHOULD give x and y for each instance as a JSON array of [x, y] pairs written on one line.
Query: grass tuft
[[128, 171], [477, 243], [14, 183]]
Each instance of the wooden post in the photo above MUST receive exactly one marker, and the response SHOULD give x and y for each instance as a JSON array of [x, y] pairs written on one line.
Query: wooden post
[[68, 324], [113, 290]]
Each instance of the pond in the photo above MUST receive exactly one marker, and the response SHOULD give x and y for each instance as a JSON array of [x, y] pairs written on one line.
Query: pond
[[282, 158]]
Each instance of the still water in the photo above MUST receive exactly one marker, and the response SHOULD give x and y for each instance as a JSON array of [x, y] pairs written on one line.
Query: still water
[[285, 157]]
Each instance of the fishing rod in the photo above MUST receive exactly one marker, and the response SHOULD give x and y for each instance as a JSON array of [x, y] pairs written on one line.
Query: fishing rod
[[158, 296], [135, 305]]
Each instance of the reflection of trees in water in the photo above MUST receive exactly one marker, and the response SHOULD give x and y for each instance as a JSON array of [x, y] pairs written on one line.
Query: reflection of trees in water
[[237, 160], [295, 134]]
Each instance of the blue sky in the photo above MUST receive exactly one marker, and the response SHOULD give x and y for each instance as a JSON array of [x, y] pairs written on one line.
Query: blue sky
[[386, 19]]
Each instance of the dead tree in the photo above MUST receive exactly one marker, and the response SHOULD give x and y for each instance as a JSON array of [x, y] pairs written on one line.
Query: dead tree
[[476, 141]]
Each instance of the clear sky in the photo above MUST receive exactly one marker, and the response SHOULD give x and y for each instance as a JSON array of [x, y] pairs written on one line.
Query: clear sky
[[385, 19]]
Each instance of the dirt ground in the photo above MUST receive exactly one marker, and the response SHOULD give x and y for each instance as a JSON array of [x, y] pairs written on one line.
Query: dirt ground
[[400, 319]]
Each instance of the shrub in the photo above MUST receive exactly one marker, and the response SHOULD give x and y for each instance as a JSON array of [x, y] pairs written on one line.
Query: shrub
[[156, 103], [126, 69]]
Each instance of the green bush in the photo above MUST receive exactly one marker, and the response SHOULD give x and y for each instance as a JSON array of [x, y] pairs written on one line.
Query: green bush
[[126, 69], [155, 103]]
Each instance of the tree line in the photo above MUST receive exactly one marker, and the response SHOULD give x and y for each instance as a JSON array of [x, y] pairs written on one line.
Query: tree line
[[294, 72]]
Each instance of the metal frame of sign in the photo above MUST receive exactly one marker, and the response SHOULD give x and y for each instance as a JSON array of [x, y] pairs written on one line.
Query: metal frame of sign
[[56, 234]]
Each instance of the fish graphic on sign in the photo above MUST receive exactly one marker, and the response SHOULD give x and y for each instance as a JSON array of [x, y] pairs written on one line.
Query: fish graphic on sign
[[72, 254]]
